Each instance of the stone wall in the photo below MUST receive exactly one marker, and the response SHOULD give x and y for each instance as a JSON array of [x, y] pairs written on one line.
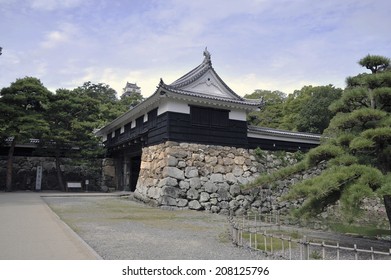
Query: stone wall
[[25, 171], [206, 177]]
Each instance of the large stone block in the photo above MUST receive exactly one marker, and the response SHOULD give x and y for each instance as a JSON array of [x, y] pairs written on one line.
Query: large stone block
[[224, 205], [239, 160], [211, 159], [184, 185], [171, 191], [192, 193], [168, 182], [234, 190], [230, 178], [233, 204], [181, 202], [223, 194], [210, 187], [216, 178], [237, 171], [195, 183], [191, 172], [195, 205], [204, 197], [173, 172], [177, 152], [167, 200], [172, 161], [219, 169], [154, 193]]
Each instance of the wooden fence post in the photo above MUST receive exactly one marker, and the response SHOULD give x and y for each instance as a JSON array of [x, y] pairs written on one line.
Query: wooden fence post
[[387, 204], [265, 239], [338, 251], [305, 248]]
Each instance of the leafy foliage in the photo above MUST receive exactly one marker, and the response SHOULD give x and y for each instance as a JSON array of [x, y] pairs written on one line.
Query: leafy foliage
[[323, 152], [356, 145], [22, 106], [304, 110], [349, 184], [64, 122], [271, 114], [375, 63]]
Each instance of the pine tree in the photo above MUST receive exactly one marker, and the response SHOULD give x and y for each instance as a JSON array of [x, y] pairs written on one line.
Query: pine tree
[[357, 145], [72, 117], [22, 106]]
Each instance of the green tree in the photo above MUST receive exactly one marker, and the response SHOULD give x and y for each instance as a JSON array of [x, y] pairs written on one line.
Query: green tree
[[357, 145], [270, 114], [72, 116], [110, 107], [127, 102], [314, 115], [22, 106], [105, 96], [292, 107]]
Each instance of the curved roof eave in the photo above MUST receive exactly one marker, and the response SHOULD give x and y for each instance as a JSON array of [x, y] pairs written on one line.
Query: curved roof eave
[[182, 94], [131, 113]]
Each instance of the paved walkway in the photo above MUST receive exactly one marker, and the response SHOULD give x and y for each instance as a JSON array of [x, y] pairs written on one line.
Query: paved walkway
[[29, 230]]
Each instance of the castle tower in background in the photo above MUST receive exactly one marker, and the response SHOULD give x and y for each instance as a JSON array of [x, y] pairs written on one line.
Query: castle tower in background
[[131, 89]]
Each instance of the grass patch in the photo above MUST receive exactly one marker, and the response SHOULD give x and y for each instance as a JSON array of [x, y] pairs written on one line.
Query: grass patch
[[369, 231], [272, 244]]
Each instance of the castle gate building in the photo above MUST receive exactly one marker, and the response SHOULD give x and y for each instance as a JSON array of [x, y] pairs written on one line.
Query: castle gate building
[[189, 138]]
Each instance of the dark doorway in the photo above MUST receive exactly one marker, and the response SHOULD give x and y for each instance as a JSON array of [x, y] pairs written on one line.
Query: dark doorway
[[134, 166], [127, 167]]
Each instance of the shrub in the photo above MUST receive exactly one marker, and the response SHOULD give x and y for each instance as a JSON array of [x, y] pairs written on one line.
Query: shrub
[[323, 152], [259, 153], [344, 159], [350, 183]]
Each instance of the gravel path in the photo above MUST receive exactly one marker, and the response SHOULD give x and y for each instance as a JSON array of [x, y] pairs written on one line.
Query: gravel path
[[119, 228]]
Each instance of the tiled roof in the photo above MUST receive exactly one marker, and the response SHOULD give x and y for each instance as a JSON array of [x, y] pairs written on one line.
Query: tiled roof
[[203, 81], [279, 132], [248, 102]]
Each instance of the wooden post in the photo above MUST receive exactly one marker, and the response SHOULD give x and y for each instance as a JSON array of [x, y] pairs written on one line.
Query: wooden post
[[337, 251], [265, 239], [256, 232], [305, 248], [387, 204]]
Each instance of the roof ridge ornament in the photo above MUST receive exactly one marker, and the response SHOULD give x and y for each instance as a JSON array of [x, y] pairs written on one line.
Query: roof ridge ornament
[[207, 56]]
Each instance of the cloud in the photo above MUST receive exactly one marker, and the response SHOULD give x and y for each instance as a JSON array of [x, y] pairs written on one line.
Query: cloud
[[54, 38], [50, 5], [276, 45], [65, 33]]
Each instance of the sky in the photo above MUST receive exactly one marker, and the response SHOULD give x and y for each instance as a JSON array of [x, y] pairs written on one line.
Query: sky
[[254, 44]]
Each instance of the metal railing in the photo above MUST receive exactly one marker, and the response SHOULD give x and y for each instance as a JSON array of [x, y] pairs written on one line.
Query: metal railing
[[264, 232]]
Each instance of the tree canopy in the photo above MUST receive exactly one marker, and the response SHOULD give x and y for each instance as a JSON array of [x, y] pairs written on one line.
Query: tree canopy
[[63, 122], [357, 145], [305, 110], [22, 106]]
